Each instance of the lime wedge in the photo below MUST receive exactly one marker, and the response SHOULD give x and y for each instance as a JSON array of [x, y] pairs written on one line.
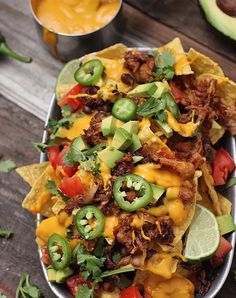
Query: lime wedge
[[65, 79], [203, 236]]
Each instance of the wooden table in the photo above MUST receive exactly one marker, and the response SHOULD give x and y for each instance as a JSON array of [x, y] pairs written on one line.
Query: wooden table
[[25, 93]]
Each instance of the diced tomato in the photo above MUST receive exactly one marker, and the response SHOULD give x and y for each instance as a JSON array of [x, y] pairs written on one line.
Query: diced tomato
[[73, 282], [131, 292], [176, 91], [45, 257], [52, 155], [69, 171], [75, 103], [223, 165], [71, 186], [222, 251]]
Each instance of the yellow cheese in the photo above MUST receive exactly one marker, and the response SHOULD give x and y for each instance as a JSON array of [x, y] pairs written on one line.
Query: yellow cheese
[[177, 211], [55, 224], [185, 130], [76, 129], [172, 193], [110, 223], [153, 174], [162, 264], [138, 221], [113, 71], [157, 211], [105, 173]]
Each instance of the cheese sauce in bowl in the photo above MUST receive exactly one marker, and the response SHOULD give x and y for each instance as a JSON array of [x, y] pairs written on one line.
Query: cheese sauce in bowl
[[70, 28]]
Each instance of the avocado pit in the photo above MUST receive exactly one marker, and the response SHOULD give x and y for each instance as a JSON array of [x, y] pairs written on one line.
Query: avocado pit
[[227, 6]]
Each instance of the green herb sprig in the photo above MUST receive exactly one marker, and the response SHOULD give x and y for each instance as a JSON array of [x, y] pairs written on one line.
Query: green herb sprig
[[164, 65], [5, 233], [27, 290]]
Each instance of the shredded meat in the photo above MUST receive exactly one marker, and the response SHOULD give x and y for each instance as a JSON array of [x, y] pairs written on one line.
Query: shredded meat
[[184, 118], [74, 203], [111, 208], [93, 134], [134, 240], [103, 196], [184, 169], [123, 166], [190, 150], [141, 65], [226, 114]]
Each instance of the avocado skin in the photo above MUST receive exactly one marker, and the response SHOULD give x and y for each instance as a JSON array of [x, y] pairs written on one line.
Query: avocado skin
[[218, 19]]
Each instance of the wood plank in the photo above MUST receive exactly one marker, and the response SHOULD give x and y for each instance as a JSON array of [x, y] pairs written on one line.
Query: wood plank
[[19, 254], [187, 18], [31, 86]]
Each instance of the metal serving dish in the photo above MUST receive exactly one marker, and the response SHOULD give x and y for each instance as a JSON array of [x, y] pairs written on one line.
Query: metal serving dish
[[228, 141], [69, 46]]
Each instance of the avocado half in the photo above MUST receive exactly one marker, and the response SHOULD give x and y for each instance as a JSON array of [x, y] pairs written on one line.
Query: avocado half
[[217, 18]]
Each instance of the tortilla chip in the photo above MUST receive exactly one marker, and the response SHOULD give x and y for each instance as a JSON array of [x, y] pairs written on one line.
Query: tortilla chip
[[38, 199], [202, 64], [181, 65], [225, 204], [225, 88], [31, 173], [58, 205], [181, 229], [117, 51], [211, 190]]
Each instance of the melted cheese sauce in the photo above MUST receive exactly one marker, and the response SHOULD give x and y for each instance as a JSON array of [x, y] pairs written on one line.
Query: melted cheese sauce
[[73, 16], [185, 130], [153, 174], [77, 129], [55, 224], [110, 223]]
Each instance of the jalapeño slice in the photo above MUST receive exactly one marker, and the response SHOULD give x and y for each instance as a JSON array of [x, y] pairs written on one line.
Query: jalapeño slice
[[89, 221], [59, 251], [132, 192], [124, 109], [89, 73]]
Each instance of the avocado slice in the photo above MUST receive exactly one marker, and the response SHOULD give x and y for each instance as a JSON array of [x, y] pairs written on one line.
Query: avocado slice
[[136, 144], [61, 275], [218, 18], [80, 144], [157, 192], [137, 158], [110, 155], [144, 90], [108, 126], [122, 139], [226, 224], [131, 126], [51, 273], [165, 128], [161, 88], [216, 132]]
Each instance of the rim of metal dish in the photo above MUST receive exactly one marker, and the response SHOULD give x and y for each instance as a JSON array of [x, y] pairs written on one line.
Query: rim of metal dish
[[228, 261], [74, 35]]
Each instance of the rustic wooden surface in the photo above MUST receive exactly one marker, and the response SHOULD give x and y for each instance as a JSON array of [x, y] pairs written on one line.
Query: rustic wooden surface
[[31, 87]]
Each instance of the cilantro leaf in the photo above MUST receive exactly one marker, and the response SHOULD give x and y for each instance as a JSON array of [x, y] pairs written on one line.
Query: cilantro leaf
[[120, 270], [7, 165], [5, 233], [165, 66], [52, 188], [42, 147], [25, 289], [167, 59], [84, 291], [66, 110], [90, 265]]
